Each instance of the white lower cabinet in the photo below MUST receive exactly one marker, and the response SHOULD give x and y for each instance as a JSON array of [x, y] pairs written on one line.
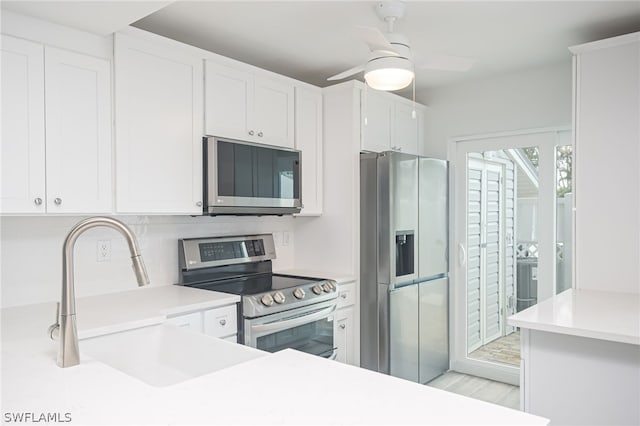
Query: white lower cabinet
[[578, 380], [192, 321], [218, 322], [344, 325], [344, 335], [221, 322]]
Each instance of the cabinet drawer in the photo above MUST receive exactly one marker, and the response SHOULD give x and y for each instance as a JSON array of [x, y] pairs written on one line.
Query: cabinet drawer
[[192, 321], [221, 322], [346, 294]]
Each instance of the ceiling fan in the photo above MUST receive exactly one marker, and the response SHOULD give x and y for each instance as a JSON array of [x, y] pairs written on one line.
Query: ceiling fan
[[390, 65]]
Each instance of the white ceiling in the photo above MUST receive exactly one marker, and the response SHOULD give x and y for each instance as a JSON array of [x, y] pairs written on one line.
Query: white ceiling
[[311, 40], [97, 17]]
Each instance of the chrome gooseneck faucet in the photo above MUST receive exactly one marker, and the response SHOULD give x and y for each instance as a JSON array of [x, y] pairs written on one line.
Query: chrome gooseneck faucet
[[65, 327]]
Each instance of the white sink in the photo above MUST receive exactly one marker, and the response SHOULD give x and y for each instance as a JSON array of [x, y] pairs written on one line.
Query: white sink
[[165, 354]]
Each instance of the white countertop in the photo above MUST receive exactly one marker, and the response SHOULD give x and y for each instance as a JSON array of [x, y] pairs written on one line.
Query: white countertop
[[112, 312], [586, 313], [287, 387]]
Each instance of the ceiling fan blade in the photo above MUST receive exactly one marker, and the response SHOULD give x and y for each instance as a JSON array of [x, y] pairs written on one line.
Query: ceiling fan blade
[[347, 73], [444, 63], [376, 40]]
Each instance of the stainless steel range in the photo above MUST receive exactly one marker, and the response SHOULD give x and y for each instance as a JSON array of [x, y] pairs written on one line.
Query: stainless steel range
[[276, 311]]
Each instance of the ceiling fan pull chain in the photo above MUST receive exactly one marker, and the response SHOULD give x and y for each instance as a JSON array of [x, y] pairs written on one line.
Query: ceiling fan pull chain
[[413, 112], [366, 121]]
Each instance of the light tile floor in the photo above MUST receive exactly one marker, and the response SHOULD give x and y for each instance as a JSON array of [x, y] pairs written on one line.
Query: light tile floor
[[479, 388], [505, 349]]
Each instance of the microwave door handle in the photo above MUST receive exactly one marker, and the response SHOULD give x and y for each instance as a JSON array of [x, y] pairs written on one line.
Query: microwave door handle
[[297, 173], [281, 325]]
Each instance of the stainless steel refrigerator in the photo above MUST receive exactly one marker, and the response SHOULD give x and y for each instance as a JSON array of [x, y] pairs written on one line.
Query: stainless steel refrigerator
[[404, 299]]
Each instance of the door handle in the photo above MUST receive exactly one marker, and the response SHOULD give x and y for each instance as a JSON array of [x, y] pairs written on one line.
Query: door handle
[[283, 325], [462, 255]]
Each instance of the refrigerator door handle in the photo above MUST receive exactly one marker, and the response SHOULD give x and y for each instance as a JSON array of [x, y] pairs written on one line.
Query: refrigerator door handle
[[462, 255]]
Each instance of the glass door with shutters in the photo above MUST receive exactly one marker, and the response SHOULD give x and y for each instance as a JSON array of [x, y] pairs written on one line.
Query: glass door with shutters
[[508, 225]]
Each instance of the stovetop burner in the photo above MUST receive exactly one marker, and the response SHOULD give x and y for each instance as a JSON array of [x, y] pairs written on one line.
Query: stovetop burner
[[258, 284]]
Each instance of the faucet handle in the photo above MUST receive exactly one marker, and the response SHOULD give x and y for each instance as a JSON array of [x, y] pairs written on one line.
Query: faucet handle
[[54, 329]]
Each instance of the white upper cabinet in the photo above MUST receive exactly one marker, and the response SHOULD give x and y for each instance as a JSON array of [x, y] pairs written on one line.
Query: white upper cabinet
[[23, 149], [77, 153], [227, 97], [78, 129], [273, 112], [377, 112], [247, 106], [606, 173], [308, 127], [406, 129], [391, 123], [159, 101]]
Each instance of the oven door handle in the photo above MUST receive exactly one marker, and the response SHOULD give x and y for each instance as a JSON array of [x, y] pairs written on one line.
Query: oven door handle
[[282, 325]]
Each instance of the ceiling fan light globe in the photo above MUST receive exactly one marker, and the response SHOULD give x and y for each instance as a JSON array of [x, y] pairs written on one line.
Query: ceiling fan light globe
[[389, 74]]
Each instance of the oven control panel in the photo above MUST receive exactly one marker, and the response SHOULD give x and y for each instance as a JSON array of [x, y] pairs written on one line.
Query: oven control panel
[[289, 298], [198, 253]]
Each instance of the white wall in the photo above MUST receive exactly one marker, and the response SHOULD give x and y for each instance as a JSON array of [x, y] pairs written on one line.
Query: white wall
[[31, 252], [528, 99]]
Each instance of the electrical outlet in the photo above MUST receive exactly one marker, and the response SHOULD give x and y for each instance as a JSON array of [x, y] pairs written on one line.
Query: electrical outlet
[[277, 238], [286, 237], [104, 250]]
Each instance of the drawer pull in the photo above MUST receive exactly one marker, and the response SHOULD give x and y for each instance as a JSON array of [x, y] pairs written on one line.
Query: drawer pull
[[223, 322], [343, 295]]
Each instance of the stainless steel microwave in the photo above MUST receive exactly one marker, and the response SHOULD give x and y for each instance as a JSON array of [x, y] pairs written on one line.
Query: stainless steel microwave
[[243, 178]]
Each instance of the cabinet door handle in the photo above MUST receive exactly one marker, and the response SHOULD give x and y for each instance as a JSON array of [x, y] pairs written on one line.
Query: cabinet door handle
[[37, 201], [199, 203], [343, 295], [57, 201], [260, 134], [223, 322], [343, 326], [251, 132]]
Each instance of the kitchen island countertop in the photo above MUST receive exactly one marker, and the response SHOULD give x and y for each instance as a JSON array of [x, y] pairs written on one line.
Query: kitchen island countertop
[[586, 313], [287, 387]]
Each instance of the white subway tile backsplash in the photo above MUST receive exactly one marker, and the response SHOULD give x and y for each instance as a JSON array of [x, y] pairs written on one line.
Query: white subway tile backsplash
[[31, 252]]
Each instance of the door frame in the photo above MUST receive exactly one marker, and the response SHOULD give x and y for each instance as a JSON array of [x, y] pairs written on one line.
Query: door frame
[[546, 138]]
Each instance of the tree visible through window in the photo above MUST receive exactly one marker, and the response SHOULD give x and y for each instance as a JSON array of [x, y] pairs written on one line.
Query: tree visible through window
[[564, 165]]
